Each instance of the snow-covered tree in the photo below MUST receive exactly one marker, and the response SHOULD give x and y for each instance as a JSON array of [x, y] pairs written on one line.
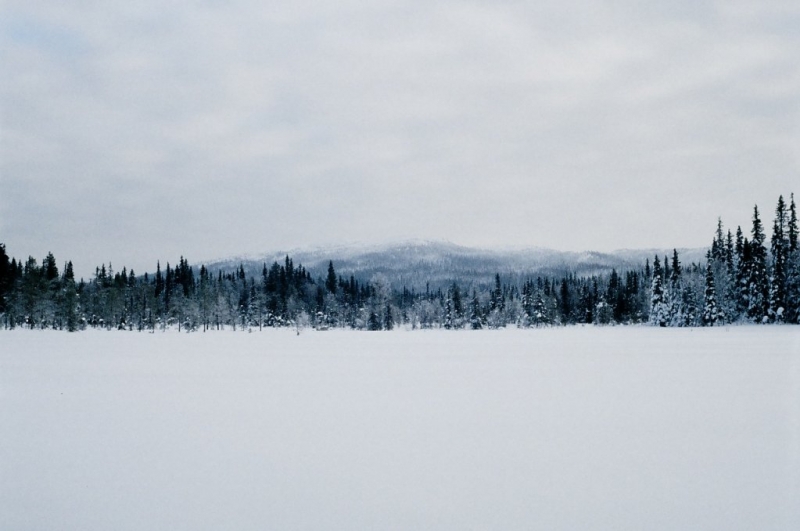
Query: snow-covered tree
[[757, 286], [475, 313], [659, 314], [780, 253], [712, 314], [674, 296]]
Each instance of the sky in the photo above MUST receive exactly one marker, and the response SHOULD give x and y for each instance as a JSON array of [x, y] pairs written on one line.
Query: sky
[[132, 132]]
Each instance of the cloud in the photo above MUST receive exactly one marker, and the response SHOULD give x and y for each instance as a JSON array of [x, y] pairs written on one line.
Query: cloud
[[146, 130]]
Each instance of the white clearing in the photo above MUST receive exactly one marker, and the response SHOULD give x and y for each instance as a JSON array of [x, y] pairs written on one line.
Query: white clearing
[[623, 428]]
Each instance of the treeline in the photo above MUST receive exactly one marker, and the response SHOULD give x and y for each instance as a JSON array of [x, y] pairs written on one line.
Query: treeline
[[741, 281]]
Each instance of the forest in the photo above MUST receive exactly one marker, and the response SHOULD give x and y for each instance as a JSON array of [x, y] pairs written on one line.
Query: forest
[[744, 279]]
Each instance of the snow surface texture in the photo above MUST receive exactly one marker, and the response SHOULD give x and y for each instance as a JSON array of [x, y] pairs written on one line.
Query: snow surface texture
[[557, 429]]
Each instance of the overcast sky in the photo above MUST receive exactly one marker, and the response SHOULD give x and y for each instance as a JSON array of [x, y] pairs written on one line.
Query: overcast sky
[[134, 131]]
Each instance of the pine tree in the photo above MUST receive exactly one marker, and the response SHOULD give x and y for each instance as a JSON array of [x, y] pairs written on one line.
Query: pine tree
[[690, 306], [49, 268], [674, 296], [448, 311], [159, 280], [526, 303], [330, 282], [388, 317], [566, 303], [475, 315], [70, 308], [758, 287], [658, 310], [711, 312], [718, 245], [725, 278], [792, 226], [743, 264], [792, 286], [495, 302], [779, 250], [5, 280], [458, 306], [541, 315], [729, 256]]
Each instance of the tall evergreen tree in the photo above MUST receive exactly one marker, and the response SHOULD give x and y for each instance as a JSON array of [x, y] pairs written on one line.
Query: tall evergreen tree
[[658, 309], [159, 286], [70, 309], [741, 279], [674, 295], [458, 305], [388, 317], [449, 318], [475, 314], [566, 303], [730, 255], [496, 302], [711, 311], [792, 286], [330, 282], [718, 245], [49, 268], [780, 250], [792, 226], [758, 286], [5, 279]]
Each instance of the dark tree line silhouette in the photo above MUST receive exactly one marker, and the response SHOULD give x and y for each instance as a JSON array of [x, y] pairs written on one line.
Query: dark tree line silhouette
[[744, 279]]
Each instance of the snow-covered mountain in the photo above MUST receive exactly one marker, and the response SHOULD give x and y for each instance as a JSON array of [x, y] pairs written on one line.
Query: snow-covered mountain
[[417, 262]]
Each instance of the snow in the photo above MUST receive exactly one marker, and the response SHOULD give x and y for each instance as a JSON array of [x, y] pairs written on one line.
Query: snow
[[624, 428]]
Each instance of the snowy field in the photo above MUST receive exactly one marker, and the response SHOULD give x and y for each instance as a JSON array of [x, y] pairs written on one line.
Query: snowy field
[[558, 429]]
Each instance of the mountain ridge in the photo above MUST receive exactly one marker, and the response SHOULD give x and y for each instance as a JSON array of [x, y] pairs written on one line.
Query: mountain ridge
[[421, 264]]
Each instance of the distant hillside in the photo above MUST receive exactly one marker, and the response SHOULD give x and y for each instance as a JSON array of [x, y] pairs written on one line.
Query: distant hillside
[[415, 263]]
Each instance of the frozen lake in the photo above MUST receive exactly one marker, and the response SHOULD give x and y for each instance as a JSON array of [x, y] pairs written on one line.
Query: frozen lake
[[556, 429]]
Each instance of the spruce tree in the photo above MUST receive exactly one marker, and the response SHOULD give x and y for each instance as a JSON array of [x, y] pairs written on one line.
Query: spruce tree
[[718, 245], [674, 299], [448, 311], [475, 316], [792, 286], [159, 286], [725, 279], [729, 254], [526, 303], [330, 282], [495, 301], [566, 303], [388, 317], [5, 279], [658, 310], [791, 228], [458, 305], [779, 249], [70, 308], [49, 268], [711, 312], [741, 287], [758, 286]]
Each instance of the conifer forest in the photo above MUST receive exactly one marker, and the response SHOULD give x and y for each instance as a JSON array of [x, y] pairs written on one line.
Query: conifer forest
[[746, 277]]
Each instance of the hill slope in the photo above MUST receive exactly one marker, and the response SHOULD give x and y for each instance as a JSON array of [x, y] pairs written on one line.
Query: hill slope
[[415, 263]]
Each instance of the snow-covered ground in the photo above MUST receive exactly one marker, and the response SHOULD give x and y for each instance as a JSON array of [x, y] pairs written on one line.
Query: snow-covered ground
[[557, 429]]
